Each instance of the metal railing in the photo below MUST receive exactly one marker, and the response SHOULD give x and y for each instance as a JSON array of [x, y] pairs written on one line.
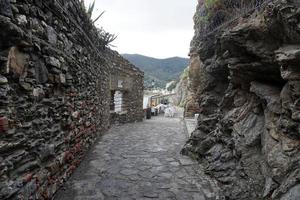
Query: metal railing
[[231, 11]]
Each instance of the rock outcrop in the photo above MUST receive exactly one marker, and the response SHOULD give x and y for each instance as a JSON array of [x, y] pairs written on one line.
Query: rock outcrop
[[248, 91], [54, 93], [181, 89]]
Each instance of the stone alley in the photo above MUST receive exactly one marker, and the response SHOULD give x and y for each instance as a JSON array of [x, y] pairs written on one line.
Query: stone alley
[[140, 161]]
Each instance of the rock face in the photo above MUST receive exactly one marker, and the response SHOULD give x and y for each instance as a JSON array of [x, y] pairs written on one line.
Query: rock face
[[248, 133], [54, 93], [181, 89]]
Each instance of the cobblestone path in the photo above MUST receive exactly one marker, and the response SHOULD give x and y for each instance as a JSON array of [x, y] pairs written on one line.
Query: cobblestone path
[[140, 161]]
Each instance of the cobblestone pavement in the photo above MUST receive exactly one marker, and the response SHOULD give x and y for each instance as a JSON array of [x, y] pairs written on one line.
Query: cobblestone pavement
[[140, 161]]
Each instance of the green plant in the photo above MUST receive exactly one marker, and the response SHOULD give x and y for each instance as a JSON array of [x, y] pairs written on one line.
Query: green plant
[[205, 19], [185, 73], [90, 10], [82, 4], [210, 6], [211, 3], [172, 86], [107, 37]]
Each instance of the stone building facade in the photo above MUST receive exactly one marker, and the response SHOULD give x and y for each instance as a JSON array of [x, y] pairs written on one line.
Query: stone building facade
[[54, 93], [126, 86]]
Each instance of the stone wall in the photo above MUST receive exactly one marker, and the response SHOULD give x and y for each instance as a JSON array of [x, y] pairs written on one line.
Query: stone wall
[[247, 89], [54, 93]]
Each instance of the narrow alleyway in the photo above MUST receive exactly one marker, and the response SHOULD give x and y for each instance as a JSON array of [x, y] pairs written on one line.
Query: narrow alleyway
[[140, 161]]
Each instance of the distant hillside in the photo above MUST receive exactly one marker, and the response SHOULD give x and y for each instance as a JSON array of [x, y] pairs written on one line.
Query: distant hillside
[[161, 71]]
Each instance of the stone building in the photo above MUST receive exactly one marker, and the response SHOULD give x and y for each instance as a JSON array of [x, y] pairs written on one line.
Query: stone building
[[56, 77], [126, 90]]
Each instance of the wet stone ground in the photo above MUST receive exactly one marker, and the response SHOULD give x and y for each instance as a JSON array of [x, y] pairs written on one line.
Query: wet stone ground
[[140, 161]]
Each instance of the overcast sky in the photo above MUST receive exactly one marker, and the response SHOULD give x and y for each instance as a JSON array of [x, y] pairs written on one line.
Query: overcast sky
[[156, 28]]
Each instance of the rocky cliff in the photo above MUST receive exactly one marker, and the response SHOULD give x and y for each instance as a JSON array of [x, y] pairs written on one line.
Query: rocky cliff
[[247, 87], [181, 89]]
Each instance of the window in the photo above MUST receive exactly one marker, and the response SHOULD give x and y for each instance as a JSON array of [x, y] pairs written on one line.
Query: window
[[120, 83]]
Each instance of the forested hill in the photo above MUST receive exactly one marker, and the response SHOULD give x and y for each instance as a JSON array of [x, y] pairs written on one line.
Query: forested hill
[[159, 70]]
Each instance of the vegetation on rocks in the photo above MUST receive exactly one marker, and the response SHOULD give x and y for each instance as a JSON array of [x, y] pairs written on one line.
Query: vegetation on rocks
[[211, 3], [214, 13], [181, 90], [106, 37]]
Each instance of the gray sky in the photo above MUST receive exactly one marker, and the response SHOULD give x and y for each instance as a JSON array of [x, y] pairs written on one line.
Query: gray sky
[[157, 28]]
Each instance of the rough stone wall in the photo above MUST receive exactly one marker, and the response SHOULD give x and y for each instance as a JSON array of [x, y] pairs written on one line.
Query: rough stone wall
[[132, 87], [248, 133], [54, 94]]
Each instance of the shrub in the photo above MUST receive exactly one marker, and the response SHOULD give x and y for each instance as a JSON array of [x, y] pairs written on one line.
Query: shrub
[[106, 37], [211, 3]]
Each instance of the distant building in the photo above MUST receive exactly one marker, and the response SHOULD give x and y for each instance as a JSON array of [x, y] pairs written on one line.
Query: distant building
[[126, 90]]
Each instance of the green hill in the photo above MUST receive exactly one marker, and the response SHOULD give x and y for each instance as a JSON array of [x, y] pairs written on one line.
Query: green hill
[[161, 71]]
